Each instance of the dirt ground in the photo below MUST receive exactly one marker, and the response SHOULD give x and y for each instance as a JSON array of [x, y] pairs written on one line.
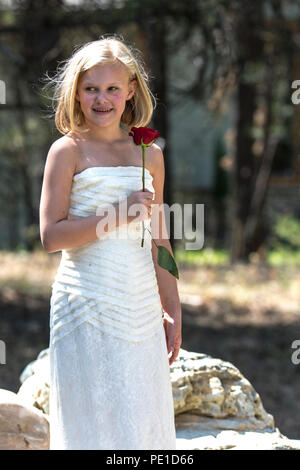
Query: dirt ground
[[247, 315]]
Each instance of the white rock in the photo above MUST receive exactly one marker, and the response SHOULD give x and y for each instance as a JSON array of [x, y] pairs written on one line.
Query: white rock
[[21, 427], [197, 433], [210, 387], [215, 406], [35, 392]]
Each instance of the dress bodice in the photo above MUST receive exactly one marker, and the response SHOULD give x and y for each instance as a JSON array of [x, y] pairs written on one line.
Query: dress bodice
[[96, 188], [114, 269], [99, 185]]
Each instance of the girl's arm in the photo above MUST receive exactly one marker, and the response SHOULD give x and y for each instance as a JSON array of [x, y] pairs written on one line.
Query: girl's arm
[[56, 231], [167, 283]]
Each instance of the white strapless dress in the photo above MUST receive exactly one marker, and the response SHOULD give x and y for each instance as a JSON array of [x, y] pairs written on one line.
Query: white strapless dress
[[110, 382]]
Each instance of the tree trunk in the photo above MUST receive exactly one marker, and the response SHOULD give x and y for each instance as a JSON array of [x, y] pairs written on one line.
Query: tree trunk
[[250, 184]]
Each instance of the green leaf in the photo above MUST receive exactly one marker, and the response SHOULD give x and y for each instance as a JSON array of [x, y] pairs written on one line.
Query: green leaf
[[166, 261]]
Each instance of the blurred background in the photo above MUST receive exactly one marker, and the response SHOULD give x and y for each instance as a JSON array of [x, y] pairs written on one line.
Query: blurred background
[[226, 76]]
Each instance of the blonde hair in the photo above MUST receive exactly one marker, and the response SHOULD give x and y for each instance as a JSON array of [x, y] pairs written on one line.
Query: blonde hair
[[68, 115]]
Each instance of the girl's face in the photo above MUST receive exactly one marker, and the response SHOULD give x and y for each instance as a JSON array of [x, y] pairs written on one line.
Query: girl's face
[[102, 92]]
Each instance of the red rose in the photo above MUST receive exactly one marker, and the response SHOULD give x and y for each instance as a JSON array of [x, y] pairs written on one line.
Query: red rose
[[143, 135]]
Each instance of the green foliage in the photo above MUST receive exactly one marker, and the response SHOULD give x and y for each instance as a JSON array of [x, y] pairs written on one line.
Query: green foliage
[[284, 244], [287, 232], [207, 257], [283, 257]]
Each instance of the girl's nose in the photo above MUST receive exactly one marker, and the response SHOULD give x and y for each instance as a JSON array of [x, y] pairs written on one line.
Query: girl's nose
[[101, 96]]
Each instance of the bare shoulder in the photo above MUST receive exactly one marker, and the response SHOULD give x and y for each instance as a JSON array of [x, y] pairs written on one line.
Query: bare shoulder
[[63, 156]]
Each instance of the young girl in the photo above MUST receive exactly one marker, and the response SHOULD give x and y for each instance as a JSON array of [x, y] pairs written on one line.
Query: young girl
[[109, 343]]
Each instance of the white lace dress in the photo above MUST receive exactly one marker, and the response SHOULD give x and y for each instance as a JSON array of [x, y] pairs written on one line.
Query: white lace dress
[[109, 370]]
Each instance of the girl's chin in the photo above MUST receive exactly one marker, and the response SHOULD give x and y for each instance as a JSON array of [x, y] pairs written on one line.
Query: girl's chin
[[100, 122]]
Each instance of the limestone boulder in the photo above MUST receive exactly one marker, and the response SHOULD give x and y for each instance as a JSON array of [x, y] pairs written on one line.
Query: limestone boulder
[[216, 389], [35, 387], [215, 406], [193, 432], [21, 427]]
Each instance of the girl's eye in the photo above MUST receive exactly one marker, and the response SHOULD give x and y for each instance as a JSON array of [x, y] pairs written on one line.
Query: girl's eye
[[92, 88]]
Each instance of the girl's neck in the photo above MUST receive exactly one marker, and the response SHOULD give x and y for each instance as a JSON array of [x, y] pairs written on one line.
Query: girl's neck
[[106, 135]]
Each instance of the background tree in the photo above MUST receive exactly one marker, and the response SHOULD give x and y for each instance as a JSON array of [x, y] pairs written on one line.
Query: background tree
[[243, 54]]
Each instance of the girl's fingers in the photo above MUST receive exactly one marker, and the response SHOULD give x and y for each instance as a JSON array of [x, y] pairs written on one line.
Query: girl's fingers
[[173, 357], [174, 350]]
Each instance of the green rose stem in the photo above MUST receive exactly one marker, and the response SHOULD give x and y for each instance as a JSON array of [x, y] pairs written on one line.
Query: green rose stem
[[143, 178], [164, 259]]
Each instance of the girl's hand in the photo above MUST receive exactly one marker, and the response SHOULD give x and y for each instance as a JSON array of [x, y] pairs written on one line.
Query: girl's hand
[[145, 200], [173, 335]]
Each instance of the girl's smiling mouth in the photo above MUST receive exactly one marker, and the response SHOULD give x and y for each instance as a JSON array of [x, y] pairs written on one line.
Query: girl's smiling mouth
[[102, 110]]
